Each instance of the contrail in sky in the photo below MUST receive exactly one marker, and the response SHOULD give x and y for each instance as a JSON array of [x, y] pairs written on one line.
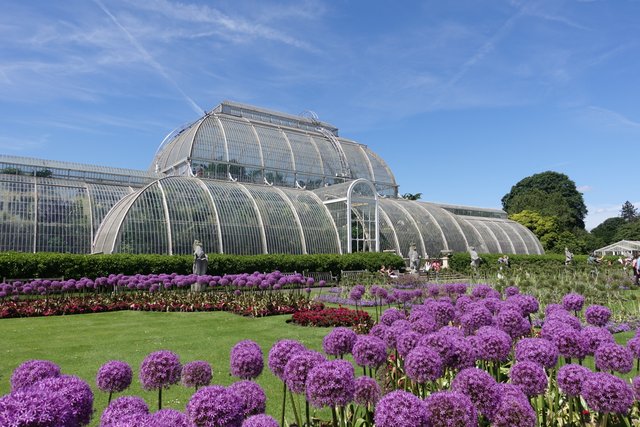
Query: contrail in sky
[[150, 60]]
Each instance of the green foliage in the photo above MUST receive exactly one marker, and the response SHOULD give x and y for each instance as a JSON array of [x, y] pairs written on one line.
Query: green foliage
[[412, 196], [628, 231], [550, 194], [49, 265], [628, 211], [460, 262], [607, 230]]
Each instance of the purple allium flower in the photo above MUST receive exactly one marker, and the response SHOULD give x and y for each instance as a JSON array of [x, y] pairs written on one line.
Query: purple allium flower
[[528, 304], [480, 387], [34, 406], [167, 418], [475, 318], [260, 420], [392, 333], [160, 369], [367, 391], [594, 337], [32, 371], [597, 315], [493, 344], [514, 409], [125, 410], [511, 291], [423, 364], [481, 291], [357, 292], [569, 342], [425, 324], [450, 408], [570, 378], [614, 357], [407, 342], [607, 393], [215, 406], [75, 393], [573, 302], [390, 315], [635, 384], [400, 408], [254, 400], [114, 376], [339, 341], [565, 318], [369, 351], [247, 360], [462, 353], [331, 384], [379, 330], [442, 311], [297, 369], [196, 374], [512, 322], [281, 352], [539, 350], [634, 345], [441, 343], [530, 377]]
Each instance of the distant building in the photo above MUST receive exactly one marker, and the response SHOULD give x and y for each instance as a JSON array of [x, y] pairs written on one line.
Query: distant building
[[242, 180], [623, 248]]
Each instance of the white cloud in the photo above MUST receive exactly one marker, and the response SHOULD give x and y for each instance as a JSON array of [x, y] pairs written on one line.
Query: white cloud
[[584, 188]]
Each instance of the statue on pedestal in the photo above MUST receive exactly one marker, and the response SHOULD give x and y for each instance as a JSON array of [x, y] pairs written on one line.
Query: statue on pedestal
[[475, 259], [200, 262], [414, 258]]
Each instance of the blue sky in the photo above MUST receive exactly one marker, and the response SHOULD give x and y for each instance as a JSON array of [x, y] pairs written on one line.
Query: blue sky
[[462, 98]]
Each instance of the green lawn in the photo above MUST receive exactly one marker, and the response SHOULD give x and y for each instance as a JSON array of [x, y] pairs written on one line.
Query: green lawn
[[81, 343]]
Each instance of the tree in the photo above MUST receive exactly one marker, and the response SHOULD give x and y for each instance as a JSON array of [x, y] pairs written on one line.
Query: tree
[[550, 193], [412, 196], [607, 230], [628, 211], [628, 231]]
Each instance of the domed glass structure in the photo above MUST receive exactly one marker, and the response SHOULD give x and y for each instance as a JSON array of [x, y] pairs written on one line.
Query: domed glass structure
[[242, 180]]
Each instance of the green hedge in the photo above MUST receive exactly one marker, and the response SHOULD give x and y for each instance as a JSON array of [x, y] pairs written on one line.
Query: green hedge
[[14, 265]]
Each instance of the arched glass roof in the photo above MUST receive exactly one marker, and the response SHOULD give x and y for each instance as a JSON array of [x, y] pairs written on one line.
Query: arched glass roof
[[233, 142]]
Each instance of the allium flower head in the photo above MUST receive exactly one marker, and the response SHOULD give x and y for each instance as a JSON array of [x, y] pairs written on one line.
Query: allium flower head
[[34, 406], [635, 384], [32, 371], [390, 315], [597, 315], [367, 391], [400, 408], [379, 330], [511, 290], [423, 364], [570, 342], [493, 344], [530, 376], [614, 357], [215, 406], [539, 350], [514, 409], [528, 304], [573, 302], [260, 420], [196, 374], [160, 369], [339, 341], [512, 322], [114, 376], [76, 395], [475, 318], [369, 351], [166, 418], [331, 384], [407, 342], [247, 360], [281, 353], [450, 408], [570, 378], [131, 409], [298, 367], [594, 337], [424, 324], [634, 345], [254, 400], [480, 387], [607, 393]]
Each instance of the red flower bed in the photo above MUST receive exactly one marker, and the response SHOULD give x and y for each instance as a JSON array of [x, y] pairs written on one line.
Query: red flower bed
[[328, 317]]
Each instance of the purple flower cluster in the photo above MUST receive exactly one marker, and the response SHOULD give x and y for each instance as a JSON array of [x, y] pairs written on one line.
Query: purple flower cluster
[[514, 409], [614, 357], [539, 350], [247, 360], [367, 391], [594, 337], [423, 364], [401, 408], [260, 420], [32, 371], [573, 302], [369, 351], [125, 411], [253, 398], [215, 406], [281, 352], [607, 393], [407, 341], [196, 374], [160, 369], [597, 315], [357, 292], [492, 344], [450, 408], [391, 315], [570, 378], [114, 376], [167, 418], [480, 387], [331, 383], [298, 367], [530, 377], [339, 341]]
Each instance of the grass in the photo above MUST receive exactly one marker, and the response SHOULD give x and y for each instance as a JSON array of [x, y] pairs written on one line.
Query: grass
[[80, 344]]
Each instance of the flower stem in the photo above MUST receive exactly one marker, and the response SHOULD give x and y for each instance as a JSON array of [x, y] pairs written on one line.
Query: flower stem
[[284, 402]]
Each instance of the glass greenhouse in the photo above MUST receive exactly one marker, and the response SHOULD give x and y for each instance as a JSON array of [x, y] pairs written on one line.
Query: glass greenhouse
[[242, 180]]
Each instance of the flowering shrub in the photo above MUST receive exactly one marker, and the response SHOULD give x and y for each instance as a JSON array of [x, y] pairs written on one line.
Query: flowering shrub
[[331, 317]]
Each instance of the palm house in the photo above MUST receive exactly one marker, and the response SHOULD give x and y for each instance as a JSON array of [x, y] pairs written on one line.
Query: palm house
[[242, 180]]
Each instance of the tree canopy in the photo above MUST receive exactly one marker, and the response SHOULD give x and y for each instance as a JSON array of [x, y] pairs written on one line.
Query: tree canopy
[[412, 196], [607, 230], [550, 194], [628, 211]]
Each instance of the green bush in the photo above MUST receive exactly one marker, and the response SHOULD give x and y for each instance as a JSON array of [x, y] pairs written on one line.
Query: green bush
[[461, 262], [48, 265]]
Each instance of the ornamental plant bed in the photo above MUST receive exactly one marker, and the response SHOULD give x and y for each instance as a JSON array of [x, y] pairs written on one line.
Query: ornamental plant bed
[[328, 317]]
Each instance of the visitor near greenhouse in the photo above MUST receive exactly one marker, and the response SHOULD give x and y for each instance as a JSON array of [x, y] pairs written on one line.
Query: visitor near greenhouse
[[568, 256]]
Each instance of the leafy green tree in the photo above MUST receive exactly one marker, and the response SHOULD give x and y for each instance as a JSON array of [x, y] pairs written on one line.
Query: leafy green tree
[[412, 196], [628, 231], [551, 194], [607, 230], [629, 212], [544, 227]]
